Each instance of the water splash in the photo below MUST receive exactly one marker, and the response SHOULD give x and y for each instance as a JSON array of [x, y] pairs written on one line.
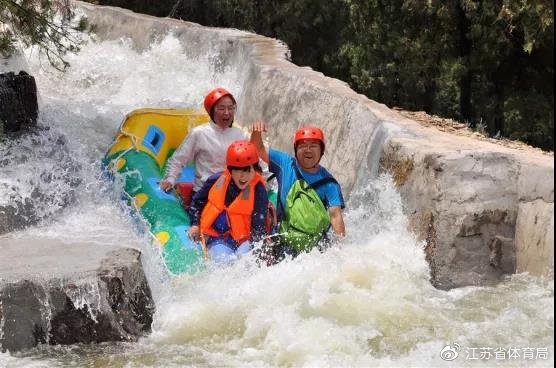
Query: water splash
[[366, 302], [38, 178]]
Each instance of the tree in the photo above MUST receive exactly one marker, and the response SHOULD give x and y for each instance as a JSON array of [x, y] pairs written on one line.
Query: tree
[[41, 23], [512, 60], [396, 50], [485, 62]]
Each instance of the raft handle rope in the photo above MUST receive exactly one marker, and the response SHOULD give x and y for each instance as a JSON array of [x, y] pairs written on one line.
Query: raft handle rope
[[123, 133], [134, 139]]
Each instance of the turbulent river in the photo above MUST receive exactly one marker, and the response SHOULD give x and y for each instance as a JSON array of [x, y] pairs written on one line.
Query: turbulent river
[[366, 302]]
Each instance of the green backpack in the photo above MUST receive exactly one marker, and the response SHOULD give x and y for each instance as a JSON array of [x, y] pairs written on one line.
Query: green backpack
[[306, 218]]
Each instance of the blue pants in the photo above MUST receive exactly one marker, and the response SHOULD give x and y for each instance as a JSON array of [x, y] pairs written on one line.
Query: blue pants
[[223, 250]]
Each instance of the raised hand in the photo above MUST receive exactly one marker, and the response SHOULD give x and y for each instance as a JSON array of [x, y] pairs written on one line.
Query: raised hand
[[257, 129], [258, 126]]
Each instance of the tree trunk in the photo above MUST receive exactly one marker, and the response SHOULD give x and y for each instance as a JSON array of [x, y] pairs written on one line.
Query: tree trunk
[[499, 97], [464, 48]]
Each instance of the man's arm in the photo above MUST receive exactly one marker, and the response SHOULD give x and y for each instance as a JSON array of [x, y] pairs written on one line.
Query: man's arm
[[181, 157], [337, 221], [257, 130]]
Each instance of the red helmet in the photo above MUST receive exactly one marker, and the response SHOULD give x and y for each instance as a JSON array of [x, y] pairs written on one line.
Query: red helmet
[[241, 154], [309, 132], [215, 95]]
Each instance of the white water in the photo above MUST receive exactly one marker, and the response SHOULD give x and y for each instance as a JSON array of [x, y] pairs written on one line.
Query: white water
[[367, 302]]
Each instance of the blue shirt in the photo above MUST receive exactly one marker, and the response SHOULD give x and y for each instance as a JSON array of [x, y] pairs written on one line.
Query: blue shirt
[[258, 218], [282, 165]]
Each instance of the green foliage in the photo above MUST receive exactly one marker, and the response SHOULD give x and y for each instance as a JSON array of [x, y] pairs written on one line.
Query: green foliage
[[312, 29], [41, 23], [487, 63], [390, 51]]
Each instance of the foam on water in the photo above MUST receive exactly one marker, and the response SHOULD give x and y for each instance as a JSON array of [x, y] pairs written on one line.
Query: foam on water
[[365, 302]]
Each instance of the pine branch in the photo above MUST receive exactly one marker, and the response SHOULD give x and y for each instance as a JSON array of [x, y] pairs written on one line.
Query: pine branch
[[32, 22]]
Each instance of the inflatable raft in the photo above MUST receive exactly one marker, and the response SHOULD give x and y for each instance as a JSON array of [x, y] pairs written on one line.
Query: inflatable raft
[[139, 154], [146, 139]]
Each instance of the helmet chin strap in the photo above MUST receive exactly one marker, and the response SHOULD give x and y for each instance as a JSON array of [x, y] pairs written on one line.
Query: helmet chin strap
[[318, 162]]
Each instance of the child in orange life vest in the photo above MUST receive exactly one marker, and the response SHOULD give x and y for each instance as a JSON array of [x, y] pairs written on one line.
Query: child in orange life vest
[[230, 209]]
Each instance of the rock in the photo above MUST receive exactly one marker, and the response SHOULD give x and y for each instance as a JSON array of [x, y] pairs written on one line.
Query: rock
[[57, 293], [17, 216], [535, 235], [18, 101], [499, 247], [473, 205]]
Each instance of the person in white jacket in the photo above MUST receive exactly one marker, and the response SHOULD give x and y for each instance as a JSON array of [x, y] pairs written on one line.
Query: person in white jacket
[[206, 144]]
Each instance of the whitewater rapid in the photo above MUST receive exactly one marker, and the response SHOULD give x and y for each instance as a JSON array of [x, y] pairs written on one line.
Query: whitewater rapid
[[366, 302]]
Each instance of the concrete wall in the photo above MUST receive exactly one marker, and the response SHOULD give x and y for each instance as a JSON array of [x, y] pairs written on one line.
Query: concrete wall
[[485, 210]]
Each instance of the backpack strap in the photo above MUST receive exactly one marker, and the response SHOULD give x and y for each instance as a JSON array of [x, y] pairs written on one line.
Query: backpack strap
[[299, 176], [317, 184], [270, 177]]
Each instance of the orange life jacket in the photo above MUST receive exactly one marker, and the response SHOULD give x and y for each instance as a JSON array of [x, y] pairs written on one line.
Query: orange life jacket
[[239, 211]]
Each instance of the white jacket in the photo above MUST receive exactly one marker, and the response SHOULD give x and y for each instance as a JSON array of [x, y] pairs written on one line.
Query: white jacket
[[206, 145]]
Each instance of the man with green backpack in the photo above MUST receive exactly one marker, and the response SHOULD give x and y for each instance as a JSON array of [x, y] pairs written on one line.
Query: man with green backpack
[[310, 200]]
